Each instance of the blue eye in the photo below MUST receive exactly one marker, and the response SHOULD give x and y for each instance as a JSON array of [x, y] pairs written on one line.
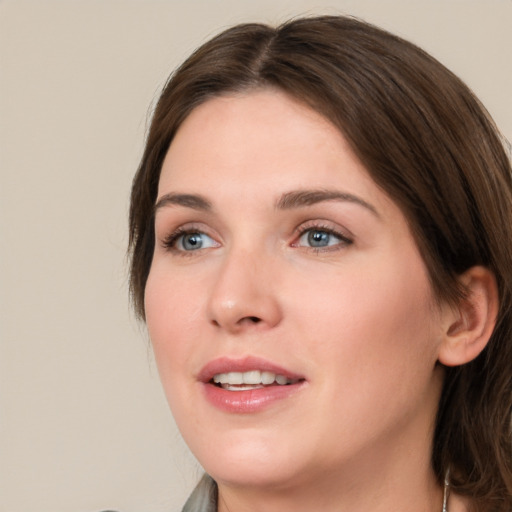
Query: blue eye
[[320, 238], [190, 241]]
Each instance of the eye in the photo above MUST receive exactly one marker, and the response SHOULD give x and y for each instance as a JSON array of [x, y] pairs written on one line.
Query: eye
[[188, 241], [319, 238]]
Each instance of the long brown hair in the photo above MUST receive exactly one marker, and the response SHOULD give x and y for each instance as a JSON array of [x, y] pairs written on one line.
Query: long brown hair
[[430, 145]]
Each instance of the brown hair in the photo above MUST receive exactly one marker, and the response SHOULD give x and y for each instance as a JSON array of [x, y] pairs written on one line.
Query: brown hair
[[430, 145]]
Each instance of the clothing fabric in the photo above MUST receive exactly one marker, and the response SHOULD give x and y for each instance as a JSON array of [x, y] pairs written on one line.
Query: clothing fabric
[[203, 497]]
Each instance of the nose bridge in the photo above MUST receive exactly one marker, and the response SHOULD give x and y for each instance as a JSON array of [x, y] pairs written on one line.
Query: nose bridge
[[242, 294]]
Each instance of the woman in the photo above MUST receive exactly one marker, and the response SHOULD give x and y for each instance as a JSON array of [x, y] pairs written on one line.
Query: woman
[[321, 237]]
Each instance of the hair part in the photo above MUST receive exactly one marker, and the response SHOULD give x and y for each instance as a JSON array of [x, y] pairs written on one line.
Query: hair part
[[430, 146]]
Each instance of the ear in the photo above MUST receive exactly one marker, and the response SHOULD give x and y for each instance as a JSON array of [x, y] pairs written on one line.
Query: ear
[[467, 327]]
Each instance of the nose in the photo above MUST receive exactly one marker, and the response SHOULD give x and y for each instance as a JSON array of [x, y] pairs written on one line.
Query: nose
[[243, 295]]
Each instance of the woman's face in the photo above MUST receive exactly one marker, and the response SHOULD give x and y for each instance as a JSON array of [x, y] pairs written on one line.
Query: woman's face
[[290, 312]]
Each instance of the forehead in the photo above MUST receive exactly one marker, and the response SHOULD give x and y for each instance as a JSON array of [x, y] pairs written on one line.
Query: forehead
[[262, 137]]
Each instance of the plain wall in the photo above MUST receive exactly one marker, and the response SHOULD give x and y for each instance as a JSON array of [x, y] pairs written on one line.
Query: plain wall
[[83, 423]]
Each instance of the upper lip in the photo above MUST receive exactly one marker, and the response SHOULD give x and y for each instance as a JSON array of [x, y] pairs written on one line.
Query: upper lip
[[245, 364]]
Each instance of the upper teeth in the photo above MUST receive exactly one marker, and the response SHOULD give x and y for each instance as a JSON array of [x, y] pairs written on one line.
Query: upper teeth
[[251, 377]]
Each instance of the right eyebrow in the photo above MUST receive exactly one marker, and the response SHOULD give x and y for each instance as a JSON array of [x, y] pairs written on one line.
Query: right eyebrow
[[193, 201]]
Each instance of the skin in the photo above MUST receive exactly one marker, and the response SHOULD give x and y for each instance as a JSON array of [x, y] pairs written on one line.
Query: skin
[[357, 319]]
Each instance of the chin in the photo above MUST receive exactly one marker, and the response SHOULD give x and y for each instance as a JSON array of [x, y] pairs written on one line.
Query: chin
[[247, 460], [251, 475]]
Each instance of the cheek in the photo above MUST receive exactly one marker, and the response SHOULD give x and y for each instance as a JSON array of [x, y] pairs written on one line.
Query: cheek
[[172, 315], [374, 327], [173, 302]]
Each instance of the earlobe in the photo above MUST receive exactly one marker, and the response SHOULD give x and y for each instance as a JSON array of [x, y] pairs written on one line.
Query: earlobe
[[469, 325]]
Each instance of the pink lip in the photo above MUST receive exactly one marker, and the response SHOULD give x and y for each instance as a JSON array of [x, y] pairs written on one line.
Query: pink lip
[[248, 401], [246, 364]]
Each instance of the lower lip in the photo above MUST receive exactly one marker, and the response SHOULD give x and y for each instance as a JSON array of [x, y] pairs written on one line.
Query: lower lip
[[251, 400]]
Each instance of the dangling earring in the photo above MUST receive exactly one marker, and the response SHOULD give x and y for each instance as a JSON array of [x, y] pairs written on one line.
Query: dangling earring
[[446, 491]]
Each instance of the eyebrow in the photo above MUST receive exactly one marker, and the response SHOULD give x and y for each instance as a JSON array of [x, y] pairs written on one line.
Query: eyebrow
[[288, 201], [193, 201], [301, 198]]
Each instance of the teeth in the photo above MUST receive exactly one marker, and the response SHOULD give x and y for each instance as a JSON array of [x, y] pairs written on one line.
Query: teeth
[[267, 378], [281, 380], [235, 378], [253, 377]]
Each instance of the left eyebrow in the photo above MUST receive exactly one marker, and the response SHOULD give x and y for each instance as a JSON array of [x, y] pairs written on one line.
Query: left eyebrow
[[301, 198]]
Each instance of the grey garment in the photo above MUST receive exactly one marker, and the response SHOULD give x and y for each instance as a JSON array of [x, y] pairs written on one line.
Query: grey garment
[[204, 496]]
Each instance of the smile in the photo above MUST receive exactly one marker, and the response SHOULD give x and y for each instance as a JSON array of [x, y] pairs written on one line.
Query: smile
[[253, 379], [247, 385]]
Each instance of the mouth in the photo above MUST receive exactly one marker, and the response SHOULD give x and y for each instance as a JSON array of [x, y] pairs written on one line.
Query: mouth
[[247, 385], [252, 379]]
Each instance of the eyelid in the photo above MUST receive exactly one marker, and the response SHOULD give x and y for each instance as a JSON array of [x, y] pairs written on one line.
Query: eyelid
[[169, 240], [346, 238]]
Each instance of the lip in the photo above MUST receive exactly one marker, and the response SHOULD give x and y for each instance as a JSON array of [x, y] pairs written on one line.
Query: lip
[[247, 401], [245, 364]]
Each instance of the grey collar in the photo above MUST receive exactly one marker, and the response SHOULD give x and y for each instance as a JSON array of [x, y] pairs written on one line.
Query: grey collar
[[204, 496]]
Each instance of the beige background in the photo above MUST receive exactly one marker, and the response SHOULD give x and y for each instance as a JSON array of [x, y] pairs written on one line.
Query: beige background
[[83, 423]]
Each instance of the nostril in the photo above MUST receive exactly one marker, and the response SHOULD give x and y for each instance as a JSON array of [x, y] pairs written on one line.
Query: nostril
[[249, 319]]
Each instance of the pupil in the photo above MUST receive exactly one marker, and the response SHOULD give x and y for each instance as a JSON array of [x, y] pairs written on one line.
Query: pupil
[[318, 238], [192, 241]]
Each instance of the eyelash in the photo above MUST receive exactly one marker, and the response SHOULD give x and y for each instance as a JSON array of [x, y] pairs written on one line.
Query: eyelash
[[344, 239], [170, 241]]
